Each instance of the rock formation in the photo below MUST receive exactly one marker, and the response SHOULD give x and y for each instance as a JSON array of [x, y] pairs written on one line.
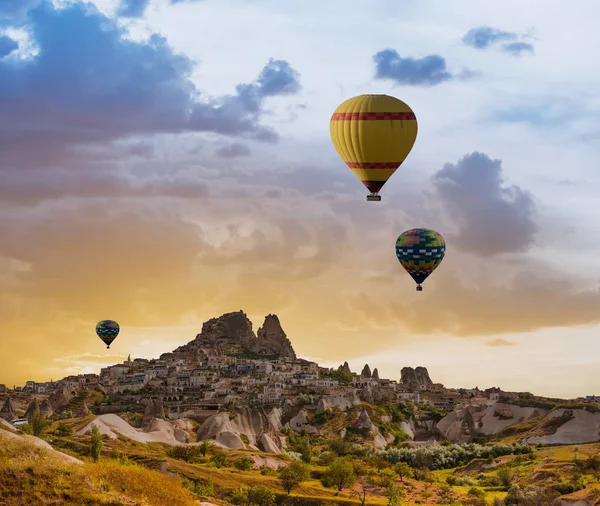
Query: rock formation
[[346, 368], [272, 341], [414, 377], [83, 410], [252, 423], [300, 422], [375, 374], [8, 410], [364, 422], [61, 397], [232, 334], [366, 372], [46, 409], [33, 408], [181, 435], [154, 410]]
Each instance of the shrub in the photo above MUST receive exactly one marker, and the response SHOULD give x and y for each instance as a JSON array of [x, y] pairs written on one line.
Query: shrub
[[64, 430], [446, 457], [244, 463]]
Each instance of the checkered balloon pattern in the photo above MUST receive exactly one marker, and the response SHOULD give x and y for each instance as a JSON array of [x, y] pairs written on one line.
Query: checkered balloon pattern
[[107, 330], [420, 251]]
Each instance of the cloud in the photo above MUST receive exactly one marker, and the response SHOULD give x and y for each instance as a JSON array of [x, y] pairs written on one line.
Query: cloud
[[484, 37], [132, 8], [238, 114], [498, 342], [234, 150], [427, 71], [518, 48], [490, 216], [7, 46], [89, 83]]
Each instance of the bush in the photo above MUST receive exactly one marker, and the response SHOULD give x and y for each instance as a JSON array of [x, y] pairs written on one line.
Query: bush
[[446, 457], [185, 453], [244, 463], [325, 458], [219, 459], [64, 430], [323, 417], [477, 492], [452, 480]]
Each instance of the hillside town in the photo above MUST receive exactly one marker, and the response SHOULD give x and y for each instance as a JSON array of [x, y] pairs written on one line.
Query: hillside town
[[228, 365]]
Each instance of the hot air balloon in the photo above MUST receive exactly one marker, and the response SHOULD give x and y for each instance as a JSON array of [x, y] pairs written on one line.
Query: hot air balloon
[[420, 251], [107, 330], [373, 134]]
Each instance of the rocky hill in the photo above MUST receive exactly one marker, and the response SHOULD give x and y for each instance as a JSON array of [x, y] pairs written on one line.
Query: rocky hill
[[232, 334]]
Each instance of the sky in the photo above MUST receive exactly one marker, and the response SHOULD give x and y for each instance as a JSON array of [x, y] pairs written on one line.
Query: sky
[[163, 162]]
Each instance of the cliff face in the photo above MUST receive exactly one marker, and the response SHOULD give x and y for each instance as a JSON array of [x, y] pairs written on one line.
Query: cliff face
[[232, 334]]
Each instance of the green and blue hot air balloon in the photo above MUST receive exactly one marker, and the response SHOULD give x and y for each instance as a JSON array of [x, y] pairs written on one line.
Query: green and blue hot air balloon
[[420, 251], [107, 330]]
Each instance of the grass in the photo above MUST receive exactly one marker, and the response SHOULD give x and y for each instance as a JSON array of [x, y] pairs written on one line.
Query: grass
[[127, 475], [31, 475]]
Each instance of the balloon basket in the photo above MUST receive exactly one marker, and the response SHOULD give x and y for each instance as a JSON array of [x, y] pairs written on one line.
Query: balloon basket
[[373, 198], [419, 288]]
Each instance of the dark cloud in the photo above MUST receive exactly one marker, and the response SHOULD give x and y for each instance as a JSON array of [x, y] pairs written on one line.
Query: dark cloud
[[484, 37], [7, 46], [491, 217], [234, 150], [89, 83], [427, 71], [518, 48], [132, 8]]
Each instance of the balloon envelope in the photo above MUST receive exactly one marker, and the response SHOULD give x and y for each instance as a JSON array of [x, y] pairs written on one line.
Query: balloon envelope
[[420, 251], [107, 330], [373, 134]]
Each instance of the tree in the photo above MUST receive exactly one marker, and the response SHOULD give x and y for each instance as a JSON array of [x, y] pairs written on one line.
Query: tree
[[96, 445], [340, 474], [393, 495], [506, 476], [38, 423], [239, 497], [293, 474], [203, 448], [403, 470], [244, 463], [342, 376], [362, 493], [305, 449]]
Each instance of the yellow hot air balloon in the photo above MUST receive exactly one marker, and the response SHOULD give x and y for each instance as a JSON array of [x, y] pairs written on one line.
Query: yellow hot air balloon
[[373, 134]]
